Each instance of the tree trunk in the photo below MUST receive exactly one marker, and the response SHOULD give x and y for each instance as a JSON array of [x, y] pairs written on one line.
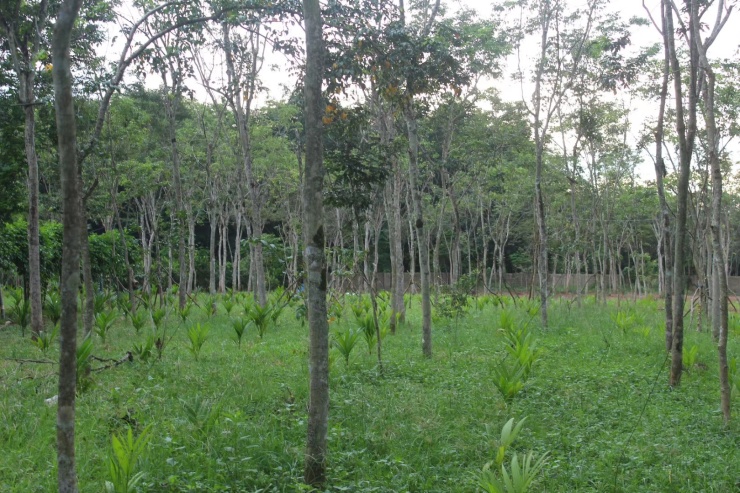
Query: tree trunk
[[213, 221], [88, 316], [191, 251], [415, 190], [242, 110], [72, 233], [313, 207], [720, 319], [542, 268], [412, 249], [686, 133], [237, 256], [34, 252], [395, 228], [171, 110]]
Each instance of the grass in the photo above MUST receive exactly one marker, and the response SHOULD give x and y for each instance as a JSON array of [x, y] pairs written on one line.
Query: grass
[[596, 401]]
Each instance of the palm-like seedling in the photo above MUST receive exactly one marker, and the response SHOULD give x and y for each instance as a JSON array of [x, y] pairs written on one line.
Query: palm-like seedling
[[145, 350], [101, 300], [211, 305], [123, 460], [521, 476], [240, 326], [509, 381], [345, 342], [623, 321], [275, 311], [20, 313], [184, 313], [521, 345], [229, 305], [260, 317], [158, 317], [138, 319], [519, 480], [84, 351], [359, 310], [124, 304], [45, 339], [197, 335], [248, 304], [103, 322], [367, 327], [53, 306]]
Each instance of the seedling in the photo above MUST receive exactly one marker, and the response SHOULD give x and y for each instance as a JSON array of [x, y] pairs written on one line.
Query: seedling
[[197, 335], [123, 460]]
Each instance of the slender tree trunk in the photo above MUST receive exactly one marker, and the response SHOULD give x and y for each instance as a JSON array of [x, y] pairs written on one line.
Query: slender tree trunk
[[72, 225], [223, 259], [542, 259], [242, 111], [88, 316], [313, 207], [171, 105], [213, 221], [415, 190], [236, 264], [398, 309], [686, 132], [34, 250], [412, 249], [191, 251], [720, 319]]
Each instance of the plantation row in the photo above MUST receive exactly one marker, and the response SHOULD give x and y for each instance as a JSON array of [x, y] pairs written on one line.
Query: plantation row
[[215, 396]]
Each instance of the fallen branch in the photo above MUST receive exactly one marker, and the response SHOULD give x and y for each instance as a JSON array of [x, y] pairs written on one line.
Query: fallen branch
[[113, 363], [21, 360]]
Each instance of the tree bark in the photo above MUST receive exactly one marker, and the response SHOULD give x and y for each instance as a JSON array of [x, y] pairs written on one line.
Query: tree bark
[[313, 207], [72, 232], [172, 101], [422, 240], [686, 132], [242, 111], [664, 241], [88, 316], [720, 319], [23, 50], [34, 250]]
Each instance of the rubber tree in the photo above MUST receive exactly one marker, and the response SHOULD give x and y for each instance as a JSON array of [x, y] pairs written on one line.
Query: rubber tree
[[71, 244], [244, 59], [709, 81], [313, 231], [23, 27], [562, 38]]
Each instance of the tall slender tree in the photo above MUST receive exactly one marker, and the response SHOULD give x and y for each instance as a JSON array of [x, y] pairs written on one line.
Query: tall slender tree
[[23, 27], [313, 231], [71, 243]]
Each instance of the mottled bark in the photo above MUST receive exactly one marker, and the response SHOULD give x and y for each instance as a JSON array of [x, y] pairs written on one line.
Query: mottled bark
[[664, 238], [313, 227], [88, 316], [422, 240], [72, 224], [686, 130], [172, 102], [24, 46], [243, 112], [720, 319]]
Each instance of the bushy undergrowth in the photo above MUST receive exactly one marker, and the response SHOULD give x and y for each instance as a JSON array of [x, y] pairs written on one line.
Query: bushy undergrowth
[[596, 403]]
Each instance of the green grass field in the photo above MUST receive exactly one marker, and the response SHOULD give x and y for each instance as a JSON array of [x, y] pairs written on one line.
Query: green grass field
[[234, 420]]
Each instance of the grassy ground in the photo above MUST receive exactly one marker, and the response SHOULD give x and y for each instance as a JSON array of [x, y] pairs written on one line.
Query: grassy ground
[[235, 419]]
